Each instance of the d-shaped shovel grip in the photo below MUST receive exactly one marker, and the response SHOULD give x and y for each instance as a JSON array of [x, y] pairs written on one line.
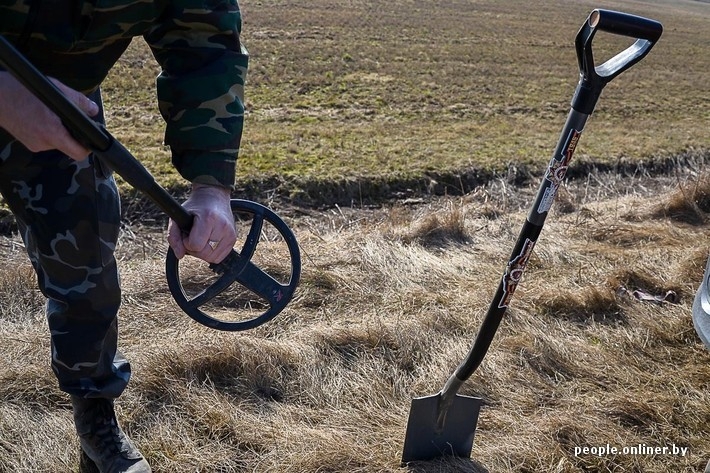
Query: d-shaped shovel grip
[[593, 78]]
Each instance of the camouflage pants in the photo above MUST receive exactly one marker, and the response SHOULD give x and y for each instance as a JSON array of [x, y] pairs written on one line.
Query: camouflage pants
[[68, 213]]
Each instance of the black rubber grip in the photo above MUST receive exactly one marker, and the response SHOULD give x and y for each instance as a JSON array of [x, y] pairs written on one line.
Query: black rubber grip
[[626, 24]]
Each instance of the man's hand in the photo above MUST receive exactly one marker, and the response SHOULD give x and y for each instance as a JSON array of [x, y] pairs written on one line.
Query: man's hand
[[213, 231], [26, 118]]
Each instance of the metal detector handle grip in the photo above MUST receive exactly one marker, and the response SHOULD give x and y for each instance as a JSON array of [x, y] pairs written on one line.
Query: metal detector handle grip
[[91, 134], [593, 78], [87, 131]]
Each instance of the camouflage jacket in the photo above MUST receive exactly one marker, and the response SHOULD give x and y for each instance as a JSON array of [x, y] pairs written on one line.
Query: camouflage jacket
[[196, 42]]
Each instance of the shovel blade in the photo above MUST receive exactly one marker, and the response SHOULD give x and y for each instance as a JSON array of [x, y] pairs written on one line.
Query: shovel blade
[[425, 440]]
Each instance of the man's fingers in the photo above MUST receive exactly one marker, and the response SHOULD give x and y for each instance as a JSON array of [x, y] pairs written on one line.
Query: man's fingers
[[213, 248], [198, 239], [53, 135], [72, 148], [175, 240], [90, 107], [87, 105], [218, 249], [213, 233], [66, 143], [33, 124]]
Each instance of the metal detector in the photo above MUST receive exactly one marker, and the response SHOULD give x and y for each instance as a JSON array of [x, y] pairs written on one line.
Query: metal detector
[[445, 424], [264, 292]]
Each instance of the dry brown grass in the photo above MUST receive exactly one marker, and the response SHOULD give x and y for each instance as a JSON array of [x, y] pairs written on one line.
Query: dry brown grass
[[389, 304], [353, 101]]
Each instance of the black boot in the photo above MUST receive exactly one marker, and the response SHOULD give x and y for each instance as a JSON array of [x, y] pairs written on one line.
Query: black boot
[[102, 440]]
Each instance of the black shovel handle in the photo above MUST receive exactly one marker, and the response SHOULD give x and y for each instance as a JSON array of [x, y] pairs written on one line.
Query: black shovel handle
[[588, 90], [624, 24]]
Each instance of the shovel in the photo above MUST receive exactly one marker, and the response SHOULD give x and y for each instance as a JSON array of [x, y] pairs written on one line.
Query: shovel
[[445, 423], [272, 293]]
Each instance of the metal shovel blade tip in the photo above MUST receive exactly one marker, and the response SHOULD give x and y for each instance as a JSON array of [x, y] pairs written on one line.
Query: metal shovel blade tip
[[426, 440]]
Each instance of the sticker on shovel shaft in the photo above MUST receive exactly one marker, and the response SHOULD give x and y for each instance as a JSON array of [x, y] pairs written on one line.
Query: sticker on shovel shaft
[[514, 272], [557, 170]]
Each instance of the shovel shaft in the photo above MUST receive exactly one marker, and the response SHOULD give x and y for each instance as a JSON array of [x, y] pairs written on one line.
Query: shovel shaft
[[591, 82], [522, 251]]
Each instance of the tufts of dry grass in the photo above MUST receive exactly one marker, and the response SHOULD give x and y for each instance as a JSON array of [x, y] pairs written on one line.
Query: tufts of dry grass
[[435, 229], [586, 305], [688, 204], [353, 102]]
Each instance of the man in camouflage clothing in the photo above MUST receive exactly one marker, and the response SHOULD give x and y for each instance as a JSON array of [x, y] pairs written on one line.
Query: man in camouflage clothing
[[66, 204]]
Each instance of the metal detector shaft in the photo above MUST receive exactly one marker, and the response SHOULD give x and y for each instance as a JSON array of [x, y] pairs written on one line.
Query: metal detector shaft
[[92, 134], [592, 81]]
